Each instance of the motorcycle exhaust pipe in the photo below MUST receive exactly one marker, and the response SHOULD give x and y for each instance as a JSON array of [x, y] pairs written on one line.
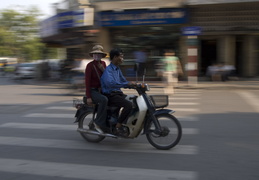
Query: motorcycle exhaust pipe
[[81, 130]]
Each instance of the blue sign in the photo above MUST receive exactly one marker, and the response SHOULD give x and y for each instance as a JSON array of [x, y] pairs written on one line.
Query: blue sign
[[49, 27], [191, 31], [65, 19], [144, 17], [71, 19]]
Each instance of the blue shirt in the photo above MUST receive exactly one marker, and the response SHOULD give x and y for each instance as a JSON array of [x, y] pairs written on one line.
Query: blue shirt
[[112, 79]]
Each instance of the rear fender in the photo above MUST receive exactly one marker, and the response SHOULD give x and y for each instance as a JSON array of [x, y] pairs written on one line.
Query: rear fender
[[81, 111]]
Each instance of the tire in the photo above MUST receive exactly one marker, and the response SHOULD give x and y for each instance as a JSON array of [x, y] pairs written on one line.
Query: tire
[[172, 132], [86, 122]]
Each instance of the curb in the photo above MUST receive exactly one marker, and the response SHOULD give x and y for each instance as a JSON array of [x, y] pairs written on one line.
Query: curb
[[252, 85]]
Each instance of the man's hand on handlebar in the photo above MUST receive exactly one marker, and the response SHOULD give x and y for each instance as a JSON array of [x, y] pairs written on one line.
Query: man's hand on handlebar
[[132, 85], [89, 102]]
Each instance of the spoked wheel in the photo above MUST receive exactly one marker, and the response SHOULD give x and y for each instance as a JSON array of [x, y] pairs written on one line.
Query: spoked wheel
[[171, 132], [86, 122]]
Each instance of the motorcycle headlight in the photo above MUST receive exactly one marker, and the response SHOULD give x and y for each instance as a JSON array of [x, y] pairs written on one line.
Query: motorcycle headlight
[[147, 88]]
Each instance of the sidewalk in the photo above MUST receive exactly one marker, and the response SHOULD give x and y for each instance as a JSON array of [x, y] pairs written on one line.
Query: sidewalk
[[252, 84]]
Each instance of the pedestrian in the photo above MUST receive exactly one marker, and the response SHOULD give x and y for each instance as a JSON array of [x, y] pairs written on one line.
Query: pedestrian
[[172, 68], [112, 80], [93, 73], [140, 59]]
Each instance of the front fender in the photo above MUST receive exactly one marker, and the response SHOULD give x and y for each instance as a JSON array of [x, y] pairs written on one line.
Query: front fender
[[163, 111], [153, 118], [84, 109]]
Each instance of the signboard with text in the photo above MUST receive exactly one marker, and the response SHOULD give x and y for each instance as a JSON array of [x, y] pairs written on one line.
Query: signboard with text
[[191, 31], [144, 17], [49, 27], [67, 19]]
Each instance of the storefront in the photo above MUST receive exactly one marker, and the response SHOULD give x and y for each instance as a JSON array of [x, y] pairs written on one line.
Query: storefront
[[72, 30], [151, 30], [229, 36]]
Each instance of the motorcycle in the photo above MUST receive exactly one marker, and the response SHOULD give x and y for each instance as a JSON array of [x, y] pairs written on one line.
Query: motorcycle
[[162, 129]]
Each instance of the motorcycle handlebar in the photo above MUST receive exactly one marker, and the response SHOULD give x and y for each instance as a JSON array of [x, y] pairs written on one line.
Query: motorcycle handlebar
[[135, 86]]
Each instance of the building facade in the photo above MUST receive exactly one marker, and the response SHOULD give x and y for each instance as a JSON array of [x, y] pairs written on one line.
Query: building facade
[[229, 35], [229, 31]]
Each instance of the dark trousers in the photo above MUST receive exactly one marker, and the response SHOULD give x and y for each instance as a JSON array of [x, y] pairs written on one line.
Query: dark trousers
[[140, 67], [117, 99], [102, 102]]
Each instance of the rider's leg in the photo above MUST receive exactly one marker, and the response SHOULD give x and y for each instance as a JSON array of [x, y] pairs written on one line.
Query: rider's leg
[[120, 101], [102, 102]]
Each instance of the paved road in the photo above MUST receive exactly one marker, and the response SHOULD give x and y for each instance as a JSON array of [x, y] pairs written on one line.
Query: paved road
[[38, 139]]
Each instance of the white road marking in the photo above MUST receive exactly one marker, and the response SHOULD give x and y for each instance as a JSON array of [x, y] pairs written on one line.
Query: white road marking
[[48, 115], [79, 171], [185, 109], [251, 99], [183, 103], [40, 126], [114, 146], [66, 127], [72, 115], [170, 103], [187, 118], [68, 102], [62, 108], [176, 94], [190, 131], [188, 92], [171, 98]]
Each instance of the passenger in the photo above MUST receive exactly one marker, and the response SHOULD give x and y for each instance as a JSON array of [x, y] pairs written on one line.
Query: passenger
[[93, 72], [112, 80]]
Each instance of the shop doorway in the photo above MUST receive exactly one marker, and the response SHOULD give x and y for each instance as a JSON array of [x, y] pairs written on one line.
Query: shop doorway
[[154, 40], [208, 55], [239, 55]]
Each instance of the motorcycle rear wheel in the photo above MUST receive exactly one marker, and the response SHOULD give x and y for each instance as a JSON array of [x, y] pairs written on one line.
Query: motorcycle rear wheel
[[86, 122], [172, 132]]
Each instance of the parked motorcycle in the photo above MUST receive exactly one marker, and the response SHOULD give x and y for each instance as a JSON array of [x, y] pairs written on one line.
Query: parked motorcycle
[[148, 117]]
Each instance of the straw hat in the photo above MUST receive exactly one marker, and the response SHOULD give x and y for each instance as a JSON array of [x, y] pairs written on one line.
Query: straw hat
[[97, 49]]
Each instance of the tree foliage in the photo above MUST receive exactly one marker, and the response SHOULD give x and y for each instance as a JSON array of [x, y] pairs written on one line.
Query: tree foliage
[[19, 35]]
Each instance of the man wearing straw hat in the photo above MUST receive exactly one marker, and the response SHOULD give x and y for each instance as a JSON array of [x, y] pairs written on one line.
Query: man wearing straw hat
[[93, 72]]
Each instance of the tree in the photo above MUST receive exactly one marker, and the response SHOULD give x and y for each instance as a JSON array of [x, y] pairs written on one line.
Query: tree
[[19, 34]]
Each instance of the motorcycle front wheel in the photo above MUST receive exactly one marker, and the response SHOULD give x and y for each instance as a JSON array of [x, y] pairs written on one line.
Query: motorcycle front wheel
[[86, 122], [171, 132]]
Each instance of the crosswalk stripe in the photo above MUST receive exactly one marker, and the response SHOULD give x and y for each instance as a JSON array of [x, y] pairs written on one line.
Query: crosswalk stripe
[[185, 109], [80, 171], [187, 92], [66, 127], [67, 102], [72, 115], [39, 126], [185, 95], [171, 98], [162, 90], [49, 115], [251, 99], [182, 98], [187, 118], [183, 103], [62, 108], [104, 146], [72, 108]]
